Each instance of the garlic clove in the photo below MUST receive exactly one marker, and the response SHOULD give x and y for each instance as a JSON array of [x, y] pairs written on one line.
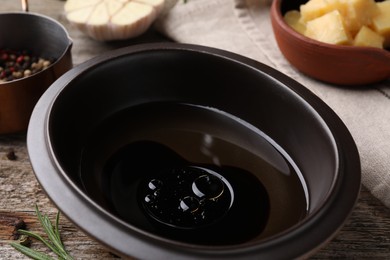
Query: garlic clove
[[74, 5], [80, 17]]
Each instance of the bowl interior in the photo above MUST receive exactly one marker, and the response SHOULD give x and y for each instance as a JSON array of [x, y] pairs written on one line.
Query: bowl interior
[[291, 5], [192, 108], [41, 35]]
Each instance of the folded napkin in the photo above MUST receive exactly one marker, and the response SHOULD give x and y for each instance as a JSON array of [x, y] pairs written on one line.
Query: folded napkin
[[244, 27]]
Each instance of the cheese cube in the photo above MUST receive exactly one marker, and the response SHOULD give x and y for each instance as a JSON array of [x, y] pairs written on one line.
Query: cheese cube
[[328, 28], [293, 19], [315, 8], [368, 38], [357, 13], [381, 22]]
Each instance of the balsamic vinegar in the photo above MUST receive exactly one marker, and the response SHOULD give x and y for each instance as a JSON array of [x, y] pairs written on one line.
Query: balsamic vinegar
[[192, 173]]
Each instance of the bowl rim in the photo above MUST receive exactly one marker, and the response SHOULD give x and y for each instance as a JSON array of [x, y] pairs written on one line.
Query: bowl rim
[[141, 244]]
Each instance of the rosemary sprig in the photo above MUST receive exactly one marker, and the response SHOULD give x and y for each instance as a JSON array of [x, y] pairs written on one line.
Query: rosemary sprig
[[54, 243]]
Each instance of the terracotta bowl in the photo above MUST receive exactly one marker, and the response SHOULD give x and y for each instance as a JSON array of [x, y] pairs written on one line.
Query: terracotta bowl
[[343, 65], [43, 37], [173, 151]]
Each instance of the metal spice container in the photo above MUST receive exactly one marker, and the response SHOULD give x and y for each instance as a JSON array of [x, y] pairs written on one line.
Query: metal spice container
[[44, 37]]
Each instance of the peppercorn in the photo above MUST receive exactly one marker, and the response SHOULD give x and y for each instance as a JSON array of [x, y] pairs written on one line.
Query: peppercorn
[[11, 155], [19, 64], [20, 59]]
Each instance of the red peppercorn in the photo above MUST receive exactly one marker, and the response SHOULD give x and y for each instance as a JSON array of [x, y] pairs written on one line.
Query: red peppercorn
[[20, 59], [4, 56]]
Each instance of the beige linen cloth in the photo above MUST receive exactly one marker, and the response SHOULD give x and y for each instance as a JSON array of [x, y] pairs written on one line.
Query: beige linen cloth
[[244, 27]]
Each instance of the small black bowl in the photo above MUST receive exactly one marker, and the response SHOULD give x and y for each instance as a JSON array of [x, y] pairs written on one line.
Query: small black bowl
[[181, 151]]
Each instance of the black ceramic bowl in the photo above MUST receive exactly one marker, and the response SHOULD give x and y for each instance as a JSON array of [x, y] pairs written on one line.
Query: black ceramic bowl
[[169, 151]]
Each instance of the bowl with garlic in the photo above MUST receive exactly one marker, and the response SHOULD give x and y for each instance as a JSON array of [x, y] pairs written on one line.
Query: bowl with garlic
[[177, 151], [31, 58], [335, 41]]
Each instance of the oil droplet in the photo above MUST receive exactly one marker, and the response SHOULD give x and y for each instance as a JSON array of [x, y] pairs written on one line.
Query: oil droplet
[[190, 204], [208, 186], [149, 198], [155, 184]]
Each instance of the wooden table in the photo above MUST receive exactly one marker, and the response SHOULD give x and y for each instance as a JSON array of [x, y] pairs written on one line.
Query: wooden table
[[366, 234]]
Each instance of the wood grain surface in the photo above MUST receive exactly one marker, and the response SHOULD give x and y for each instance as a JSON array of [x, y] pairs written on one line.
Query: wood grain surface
[[366, 234]]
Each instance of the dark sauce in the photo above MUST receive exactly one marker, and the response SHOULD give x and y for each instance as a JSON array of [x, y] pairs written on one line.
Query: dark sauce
[[193, 174]]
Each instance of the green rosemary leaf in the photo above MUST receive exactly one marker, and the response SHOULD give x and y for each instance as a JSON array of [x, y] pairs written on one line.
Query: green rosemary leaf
[[52, 234], [30, 252], [57, 230], [49, 230], [40, 238]]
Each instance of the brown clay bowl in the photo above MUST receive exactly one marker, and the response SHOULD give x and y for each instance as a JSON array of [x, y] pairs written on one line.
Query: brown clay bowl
[[96, 137], [44, 37], [342, 65]]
